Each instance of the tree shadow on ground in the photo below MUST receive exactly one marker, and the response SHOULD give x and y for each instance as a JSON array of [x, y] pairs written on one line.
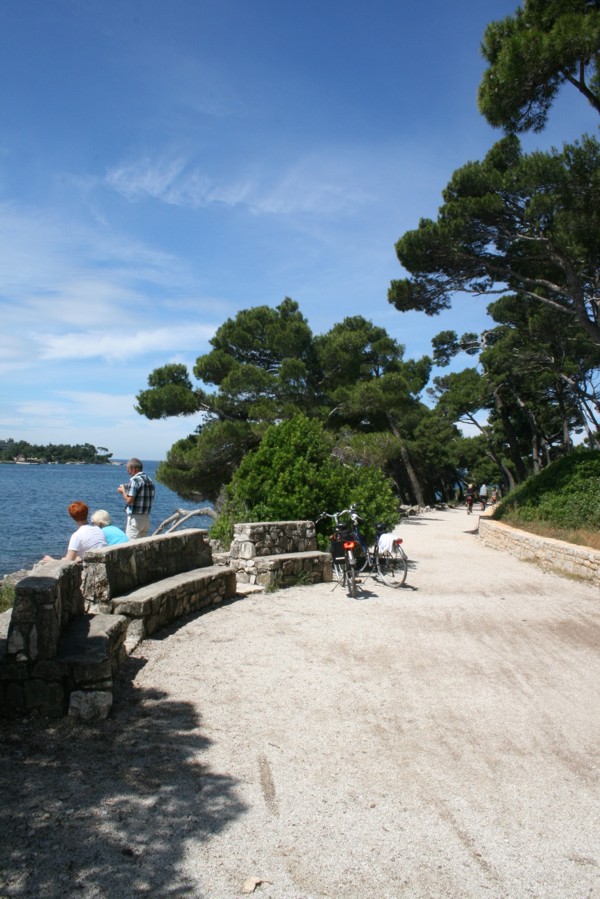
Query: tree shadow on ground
[[107, 809]]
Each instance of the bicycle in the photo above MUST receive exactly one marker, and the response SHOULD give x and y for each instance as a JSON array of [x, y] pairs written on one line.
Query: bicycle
[[351, 555], [386, 560], [341, 547]]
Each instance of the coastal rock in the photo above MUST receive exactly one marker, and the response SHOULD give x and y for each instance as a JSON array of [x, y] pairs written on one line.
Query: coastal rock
[[9, 580]]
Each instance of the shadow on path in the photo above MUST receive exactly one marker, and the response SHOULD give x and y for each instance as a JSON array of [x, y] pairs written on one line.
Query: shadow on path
[[106, 809]]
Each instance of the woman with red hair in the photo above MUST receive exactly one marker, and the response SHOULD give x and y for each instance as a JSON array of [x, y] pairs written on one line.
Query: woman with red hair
[[86, 537]]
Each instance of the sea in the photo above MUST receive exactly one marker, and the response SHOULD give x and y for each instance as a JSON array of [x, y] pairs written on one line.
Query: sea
[[33, 501]]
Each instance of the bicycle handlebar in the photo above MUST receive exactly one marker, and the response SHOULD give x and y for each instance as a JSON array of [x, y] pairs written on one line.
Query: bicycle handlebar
[[337, 515]]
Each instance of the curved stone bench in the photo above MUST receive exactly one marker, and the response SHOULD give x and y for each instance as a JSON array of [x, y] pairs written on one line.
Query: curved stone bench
[[153, 606], [117, 570], [73, 621]]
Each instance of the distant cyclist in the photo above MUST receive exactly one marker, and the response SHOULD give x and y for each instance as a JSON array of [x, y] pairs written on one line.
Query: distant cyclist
[[483, 495], [470, 497]]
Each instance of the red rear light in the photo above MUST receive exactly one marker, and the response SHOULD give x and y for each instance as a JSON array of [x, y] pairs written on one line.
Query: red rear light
[[349, 544], [398, 541]]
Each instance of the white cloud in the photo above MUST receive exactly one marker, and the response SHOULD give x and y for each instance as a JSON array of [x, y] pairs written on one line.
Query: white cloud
[[102, 419], [115, 344], [145, 178]]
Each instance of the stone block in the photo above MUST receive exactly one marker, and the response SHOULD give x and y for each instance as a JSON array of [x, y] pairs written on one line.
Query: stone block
[[49, 669], [87, 673], [136, 632], [90, 705]]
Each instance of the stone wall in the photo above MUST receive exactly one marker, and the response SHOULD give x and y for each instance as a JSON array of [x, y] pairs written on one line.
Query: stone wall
[[270, 538], [53, 651], [278, 554], [56, 658], [551, 555], [117, 570], [43, 606]]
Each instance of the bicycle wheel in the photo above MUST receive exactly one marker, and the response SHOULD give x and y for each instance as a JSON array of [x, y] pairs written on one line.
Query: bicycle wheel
[[393, 567], [351, 580], [362, 554]]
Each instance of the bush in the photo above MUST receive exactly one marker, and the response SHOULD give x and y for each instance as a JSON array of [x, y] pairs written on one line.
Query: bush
[[565, 494], [294, 476]]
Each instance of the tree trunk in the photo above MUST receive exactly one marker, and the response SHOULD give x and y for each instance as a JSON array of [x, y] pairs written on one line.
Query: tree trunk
[[410, 471], [505, 473], [511, 437]]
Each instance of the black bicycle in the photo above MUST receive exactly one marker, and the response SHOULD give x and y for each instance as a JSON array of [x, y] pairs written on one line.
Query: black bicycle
[[342, 547], [351, 556], [386, 559]]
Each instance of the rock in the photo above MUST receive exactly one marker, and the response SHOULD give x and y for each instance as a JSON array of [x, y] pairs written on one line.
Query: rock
[[90, 705], [9, 580]]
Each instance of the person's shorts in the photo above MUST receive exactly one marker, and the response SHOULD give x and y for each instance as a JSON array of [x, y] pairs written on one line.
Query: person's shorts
[[137, 526]]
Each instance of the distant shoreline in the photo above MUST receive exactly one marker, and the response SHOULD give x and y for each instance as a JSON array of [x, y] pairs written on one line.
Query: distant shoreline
[[45, 462]]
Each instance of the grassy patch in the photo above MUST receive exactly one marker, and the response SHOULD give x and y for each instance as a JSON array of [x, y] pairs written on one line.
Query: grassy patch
[[7, 597], [578, 536], [303, 579]]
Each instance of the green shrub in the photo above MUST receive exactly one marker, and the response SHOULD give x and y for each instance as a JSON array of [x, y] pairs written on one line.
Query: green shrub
[[565, 494], [294, 476]]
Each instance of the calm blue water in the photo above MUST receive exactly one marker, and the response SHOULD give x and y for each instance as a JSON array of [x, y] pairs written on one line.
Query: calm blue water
[[34, 499]]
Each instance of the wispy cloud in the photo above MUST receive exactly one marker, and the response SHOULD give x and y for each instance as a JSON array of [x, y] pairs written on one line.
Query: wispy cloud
[[311, 185], [92, 416], [297, 182], [46, 256], [115, 344], [76, 293]]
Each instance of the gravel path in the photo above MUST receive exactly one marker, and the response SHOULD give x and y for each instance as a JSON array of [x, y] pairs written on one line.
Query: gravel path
[[441, 740]]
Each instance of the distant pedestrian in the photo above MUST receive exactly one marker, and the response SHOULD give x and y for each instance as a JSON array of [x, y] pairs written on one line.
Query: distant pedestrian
[[86, 537], [112, 533], [470, 496], [483, 495], [139, 496]]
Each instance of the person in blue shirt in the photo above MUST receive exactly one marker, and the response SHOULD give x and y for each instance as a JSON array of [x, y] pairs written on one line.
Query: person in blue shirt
[[113, 534]]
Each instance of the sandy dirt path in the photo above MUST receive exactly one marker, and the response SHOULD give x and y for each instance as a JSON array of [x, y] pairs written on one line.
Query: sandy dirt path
[[441, 740]]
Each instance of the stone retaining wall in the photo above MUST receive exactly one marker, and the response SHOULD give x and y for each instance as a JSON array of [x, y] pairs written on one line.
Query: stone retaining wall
[[551, 555]]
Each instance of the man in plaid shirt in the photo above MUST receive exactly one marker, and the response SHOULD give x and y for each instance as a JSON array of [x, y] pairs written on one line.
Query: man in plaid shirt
[[139, 496]]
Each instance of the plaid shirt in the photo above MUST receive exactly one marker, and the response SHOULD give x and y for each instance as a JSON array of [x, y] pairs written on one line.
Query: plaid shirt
[[142, 487]]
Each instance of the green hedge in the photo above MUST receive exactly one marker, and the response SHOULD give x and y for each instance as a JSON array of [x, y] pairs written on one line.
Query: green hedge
[[565, 494]]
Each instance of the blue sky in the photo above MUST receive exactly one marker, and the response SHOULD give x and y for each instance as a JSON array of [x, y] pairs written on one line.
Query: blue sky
[[166, 163]]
